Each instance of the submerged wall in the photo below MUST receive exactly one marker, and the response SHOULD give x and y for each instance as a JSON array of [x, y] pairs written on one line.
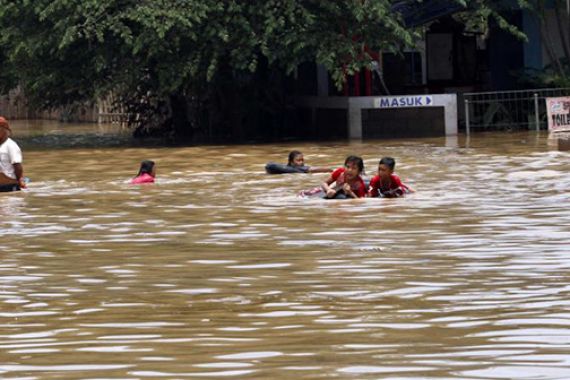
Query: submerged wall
[[383, 117], [15, 106]]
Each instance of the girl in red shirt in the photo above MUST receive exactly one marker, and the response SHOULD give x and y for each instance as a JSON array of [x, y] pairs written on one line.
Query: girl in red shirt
[[346, 181]]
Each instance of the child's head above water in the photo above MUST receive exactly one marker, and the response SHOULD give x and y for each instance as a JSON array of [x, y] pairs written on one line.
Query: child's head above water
[[389, 162], [147, 166], [354, 166], [296, 158], [386, 166]]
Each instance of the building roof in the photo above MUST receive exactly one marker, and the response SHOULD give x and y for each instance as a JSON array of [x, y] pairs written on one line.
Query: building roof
[[416, 14]]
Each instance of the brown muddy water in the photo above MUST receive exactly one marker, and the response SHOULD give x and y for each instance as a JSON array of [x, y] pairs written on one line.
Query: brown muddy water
[[220, 271]]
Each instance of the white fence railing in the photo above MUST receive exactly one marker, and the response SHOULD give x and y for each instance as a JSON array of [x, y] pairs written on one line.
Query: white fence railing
[[508, 110]]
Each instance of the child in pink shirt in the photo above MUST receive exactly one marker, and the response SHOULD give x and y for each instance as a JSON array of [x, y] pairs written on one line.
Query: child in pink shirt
[[146, 174]]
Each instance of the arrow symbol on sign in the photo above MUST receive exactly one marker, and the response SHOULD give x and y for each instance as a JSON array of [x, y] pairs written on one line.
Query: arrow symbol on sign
[[428, 100]]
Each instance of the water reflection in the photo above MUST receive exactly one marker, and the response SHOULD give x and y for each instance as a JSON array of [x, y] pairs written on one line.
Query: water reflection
[[46, 134], [13, 204], [220, 270]]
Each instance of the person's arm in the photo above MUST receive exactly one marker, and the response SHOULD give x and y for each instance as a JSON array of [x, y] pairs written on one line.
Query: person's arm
[[373, 188], [327, 188], [317, 169], [19, 171], [408, 188], [348, 191], [405, 188]]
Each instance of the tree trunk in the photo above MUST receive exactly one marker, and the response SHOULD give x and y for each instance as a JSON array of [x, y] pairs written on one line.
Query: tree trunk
[[561, 29], [549, 49], [181, 125], [547, 40]]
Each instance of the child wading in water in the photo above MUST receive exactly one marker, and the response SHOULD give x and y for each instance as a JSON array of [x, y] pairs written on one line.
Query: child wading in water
[[146, 174], [295, 164], [387, 184], [347, 180], [297, 160]]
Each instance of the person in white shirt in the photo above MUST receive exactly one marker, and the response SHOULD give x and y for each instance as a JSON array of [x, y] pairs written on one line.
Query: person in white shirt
[[11, 169]]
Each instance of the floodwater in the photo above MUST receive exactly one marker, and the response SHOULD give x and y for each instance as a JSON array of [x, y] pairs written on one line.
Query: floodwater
[[220, 271]]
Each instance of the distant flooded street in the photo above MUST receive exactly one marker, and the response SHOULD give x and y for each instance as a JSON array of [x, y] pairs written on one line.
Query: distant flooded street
[[219, 270]]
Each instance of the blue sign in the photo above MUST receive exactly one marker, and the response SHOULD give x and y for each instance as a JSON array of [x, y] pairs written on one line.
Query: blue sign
[[404, 101]]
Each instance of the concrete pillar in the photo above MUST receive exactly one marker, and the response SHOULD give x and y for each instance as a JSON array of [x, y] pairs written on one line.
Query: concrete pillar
[[354, 121], [450, 114]]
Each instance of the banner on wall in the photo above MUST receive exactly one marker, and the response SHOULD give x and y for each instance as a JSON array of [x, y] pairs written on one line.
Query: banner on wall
[[558, 112]]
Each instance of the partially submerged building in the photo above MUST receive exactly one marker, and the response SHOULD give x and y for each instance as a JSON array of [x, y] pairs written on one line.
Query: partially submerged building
[[448, 60]]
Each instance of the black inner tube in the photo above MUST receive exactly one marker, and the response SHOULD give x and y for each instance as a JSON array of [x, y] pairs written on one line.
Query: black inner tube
[[275, 168]]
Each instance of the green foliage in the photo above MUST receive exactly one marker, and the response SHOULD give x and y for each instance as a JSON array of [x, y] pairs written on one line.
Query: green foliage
[[66, 51], [69, 50], [480, 14], [547, 77]]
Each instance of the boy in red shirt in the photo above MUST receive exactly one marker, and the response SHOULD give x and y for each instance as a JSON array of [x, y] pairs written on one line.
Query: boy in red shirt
[[347, 180], [387, 184]]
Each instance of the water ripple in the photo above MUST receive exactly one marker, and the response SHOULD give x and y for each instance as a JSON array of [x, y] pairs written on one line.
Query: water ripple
[[219, 270]]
